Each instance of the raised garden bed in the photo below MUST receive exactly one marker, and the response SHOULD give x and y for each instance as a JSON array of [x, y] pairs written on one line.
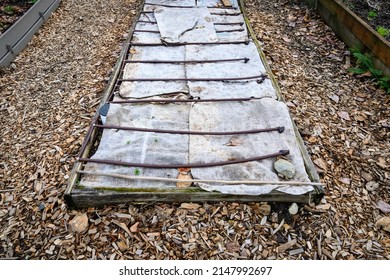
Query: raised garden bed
[[375, 13], [11, 11], [355, 31], [20, 19]]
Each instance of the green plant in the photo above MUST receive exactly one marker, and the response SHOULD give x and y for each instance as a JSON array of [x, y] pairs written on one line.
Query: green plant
[[384, 32], [384, 83], [128, 142], [9, 10], [137, 172], [371, 15], [365, 65]]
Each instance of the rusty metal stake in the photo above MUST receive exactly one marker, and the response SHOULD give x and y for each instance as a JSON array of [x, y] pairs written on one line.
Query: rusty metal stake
[[229, 23], [279, 129], [231, 30], [184, 7], [140, 44], [245, 59], [190, 165], [197, 100], [261, 77], [215, 23]]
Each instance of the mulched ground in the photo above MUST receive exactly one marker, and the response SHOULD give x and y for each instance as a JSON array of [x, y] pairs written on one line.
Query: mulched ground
[[374, 12], [50, 93], [11, 11]]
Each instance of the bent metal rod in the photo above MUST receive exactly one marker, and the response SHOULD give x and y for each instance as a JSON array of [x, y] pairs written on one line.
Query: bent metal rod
[[165, 44], [245, 59], [279, 129], [190, 165], [260, 77], [225, 182], [215, 23], [212, 13], [161, 100], [217, 31], [186, 7]]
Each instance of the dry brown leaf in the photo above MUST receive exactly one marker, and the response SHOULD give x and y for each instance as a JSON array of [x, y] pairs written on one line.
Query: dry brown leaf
[[134, 228], [386, 242], [233, 247], [264, 209], [190, 206], [367, 176], [321, 163], [384, 223], [184, 176], [286, 246], [184, 170], [79, 223], [122, 246], [344, 115], [291, 18], [345, 180], [383, 206], [234, 142], [122, 226], [325, 206]]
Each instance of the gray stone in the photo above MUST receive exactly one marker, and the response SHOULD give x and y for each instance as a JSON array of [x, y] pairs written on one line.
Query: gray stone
[[293, 209], [284, 168]]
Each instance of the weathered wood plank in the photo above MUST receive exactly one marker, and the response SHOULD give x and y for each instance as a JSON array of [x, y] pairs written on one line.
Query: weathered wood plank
[[89, 198]]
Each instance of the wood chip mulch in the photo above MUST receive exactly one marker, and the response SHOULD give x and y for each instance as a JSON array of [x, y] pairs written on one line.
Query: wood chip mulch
[[50, 93]]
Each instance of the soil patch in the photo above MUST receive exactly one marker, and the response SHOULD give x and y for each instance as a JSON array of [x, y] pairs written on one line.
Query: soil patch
[[375, 13], [11, 11]]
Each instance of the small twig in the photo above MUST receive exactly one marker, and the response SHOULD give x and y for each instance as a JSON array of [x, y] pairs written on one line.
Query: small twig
[[200, 180], [7, 190]]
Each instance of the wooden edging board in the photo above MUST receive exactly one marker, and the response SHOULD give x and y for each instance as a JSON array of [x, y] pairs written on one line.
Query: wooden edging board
[[16, 38], [81, 198], [354, 31]]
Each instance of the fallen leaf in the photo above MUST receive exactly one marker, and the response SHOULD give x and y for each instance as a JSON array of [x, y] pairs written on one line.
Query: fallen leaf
[[360, 118], [321, 163], [184, 170], [386, 242], [264, 209], [286, 246], [367, 176], [122, 226], [79, 223], [189, 206], [234, 142], [381, 162], [184, 176], [345, 181], [122, 246], [344, 115], [383, 206], [233, 247], [384, 223], [291, 18], [134, 228], [335, 98], [323, 206]]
